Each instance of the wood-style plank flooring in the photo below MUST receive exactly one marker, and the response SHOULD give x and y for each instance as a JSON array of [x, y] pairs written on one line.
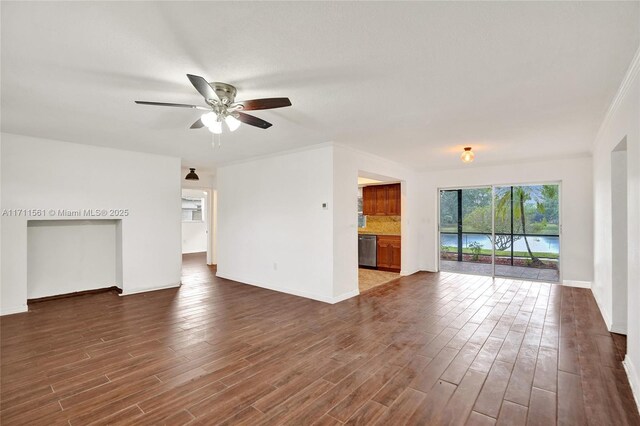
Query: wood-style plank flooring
[[427, 349]]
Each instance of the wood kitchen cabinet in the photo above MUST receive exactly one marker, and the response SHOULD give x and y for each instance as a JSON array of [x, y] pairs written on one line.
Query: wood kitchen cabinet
[[388, 257], [393, 200], [381, 200], [369, 200]]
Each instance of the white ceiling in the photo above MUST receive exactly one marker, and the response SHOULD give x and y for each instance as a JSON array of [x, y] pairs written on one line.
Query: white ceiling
[[413, 82]]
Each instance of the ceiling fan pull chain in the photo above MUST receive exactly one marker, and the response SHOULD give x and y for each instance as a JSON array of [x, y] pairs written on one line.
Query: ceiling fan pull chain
[[215, 137]]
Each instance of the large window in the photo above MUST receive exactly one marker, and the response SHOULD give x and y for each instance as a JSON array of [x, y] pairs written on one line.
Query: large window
[[192, 209], [510, 231]]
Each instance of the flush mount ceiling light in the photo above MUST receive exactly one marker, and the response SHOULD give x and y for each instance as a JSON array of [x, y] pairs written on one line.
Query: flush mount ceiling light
[[467, 155], [192, 175], [223, 108]]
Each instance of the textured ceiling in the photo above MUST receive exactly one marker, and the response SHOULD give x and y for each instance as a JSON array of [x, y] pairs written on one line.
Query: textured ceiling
[[413, 82]]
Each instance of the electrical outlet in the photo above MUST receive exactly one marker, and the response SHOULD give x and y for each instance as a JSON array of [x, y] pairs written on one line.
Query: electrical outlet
[[275, 266]]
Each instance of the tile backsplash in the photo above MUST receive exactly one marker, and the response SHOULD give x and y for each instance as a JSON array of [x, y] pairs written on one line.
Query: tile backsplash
[[383, 225]]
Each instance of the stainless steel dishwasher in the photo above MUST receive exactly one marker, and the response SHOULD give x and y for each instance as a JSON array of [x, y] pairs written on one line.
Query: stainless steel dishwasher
[[367, 253]]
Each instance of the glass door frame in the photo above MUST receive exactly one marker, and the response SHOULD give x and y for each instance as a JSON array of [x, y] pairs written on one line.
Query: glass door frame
[[460, 226], [493, 227]]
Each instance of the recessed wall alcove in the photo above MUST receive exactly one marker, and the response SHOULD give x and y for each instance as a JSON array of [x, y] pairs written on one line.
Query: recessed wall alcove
[[69, 256]]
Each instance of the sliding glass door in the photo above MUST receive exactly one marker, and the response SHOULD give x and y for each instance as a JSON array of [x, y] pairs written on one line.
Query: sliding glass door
[[527, 219], [506, 231], [465, 230]]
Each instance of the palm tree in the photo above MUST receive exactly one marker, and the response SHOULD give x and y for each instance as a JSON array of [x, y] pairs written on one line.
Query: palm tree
[[521, 196]]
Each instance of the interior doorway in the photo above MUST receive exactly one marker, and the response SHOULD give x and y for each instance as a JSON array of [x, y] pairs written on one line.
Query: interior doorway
[[196, 224], [501, 231], [619, 235], [379, 230]]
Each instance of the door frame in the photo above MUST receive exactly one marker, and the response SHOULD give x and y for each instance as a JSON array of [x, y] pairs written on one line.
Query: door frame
[[210, 220], [493, 187]]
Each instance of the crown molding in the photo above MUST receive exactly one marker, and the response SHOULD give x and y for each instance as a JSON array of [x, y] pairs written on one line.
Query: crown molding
[[507, 163], [373, 156], [303, 148], [627, 82]]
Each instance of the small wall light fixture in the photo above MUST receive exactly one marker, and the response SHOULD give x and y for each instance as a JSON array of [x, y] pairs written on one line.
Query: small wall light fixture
[[192, 175], [467, 155]]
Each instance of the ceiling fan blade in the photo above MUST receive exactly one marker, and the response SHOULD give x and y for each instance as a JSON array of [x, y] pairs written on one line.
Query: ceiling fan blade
[[173, 105], [197, 125], [203, 87], [253, 121], [267, 103]]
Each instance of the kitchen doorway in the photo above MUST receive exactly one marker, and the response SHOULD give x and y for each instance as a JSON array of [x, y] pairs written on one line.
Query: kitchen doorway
[[379, 230], [501, 231]]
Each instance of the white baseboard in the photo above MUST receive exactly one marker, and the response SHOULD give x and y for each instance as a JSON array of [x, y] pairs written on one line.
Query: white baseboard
[[345, 296], [606, 316], [634, 380], [579, 284], [145, 290], [618, 328], [14, 310], [294, 292], [405, 273]]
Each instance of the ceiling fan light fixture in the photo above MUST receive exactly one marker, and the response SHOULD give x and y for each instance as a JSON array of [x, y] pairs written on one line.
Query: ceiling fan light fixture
[[209, 118], [215, 127], [467, 155], [192, 175], [232, 122], [222, 106]]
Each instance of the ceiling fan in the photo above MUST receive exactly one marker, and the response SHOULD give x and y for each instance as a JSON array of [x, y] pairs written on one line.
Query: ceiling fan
[[223, 108]]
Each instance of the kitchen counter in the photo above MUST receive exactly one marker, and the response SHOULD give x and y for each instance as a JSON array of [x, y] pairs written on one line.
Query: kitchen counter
[[395, 234]]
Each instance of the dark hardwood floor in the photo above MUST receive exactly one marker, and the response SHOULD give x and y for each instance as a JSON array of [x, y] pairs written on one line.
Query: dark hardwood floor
[[427, 349]]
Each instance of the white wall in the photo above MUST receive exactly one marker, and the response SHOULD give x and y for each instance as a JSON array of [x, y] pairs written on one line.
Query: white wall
[[619, 235], [46, 174], [194, 237], [270, 212], [194, 234], [212, 255], [66, 256], [347, 165], [272, 229], [622, 121], [576, 207]]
